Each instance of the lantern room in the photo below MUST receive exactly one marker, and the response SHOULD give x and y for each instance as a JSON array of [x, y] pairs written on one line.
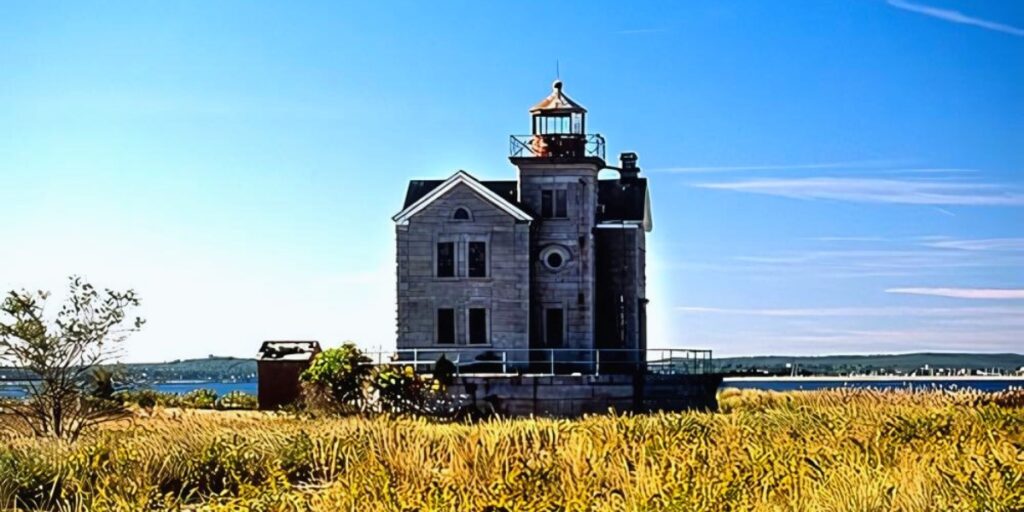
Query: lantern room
[[558, 114], [559, 131]]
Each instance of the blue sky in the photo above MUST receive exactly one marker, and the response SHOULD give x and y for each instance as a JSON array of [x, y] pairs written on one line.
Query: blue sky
[[828, 177]]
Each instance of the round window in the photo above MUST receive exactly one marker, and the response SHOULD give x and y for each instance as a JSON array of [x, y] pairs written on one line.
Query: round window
[[554, 257], [554, 260]]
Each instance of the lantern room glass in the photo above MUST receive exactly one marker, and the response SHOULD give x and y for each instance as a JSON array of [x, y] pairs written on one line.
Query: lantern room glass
[[559, 124]]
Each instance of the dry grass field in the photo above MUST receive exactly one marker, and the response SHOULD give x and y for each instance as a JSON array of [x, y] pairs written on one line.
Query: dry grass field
[[833, 450]]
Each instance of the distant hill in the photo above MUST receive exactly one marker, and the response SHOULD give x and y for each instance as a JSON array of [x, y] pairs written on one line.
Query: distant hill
[[234, 368], [887, 363], [223, 368], [210, 368]]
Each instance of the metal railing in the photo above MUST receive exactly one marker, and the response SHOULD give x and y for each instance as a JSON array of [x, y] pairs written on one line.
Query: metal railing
[[564, 146], [551, 361]]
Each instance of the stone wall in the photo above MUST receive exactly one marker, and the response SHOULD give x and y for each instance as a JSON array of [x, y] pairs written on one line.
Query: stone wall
[[505, 292], [621, 268], [573, 287], [572, 396]]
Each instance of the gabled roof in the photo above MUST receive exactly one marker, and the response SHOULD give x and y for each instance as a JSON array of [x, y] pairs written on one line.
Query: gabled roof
[[557, 103], [459, 178], [508, 190], [624, 201]]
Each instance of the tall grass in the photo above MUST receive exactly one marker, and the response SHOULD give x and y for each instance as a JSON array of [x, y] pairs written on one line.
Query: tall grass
[[828, 450]]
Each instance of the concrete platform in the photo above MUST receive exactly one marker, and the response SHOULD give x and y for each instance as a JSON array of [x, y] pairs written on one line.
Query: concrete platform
[[575, 395]]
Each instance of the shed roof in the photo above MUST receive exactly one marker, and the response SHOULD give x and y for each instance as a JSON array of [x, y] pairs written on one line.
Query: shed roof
[[557, 103], [288, 350]]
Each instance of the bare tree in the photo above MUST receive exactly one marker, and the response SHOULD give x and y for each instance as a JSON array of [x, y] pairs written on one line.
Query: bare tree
[[59, 354]]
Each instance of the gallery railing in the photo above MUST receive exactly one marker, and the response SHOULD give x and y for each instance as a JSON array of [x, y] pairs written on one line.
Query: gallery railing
[[552, 361], [562, 146]]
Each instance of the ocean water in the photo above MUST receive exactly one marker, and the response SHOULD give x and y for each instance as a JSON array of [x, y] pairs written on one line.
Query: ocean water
[[9, 390]]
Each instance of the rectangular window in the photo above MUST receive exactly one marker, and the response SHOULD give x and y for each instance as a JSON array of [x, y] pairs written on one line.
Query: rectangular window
[[446, 326], [446, 259], [478, 326], [554, 327], [553, 204], [477, 259]]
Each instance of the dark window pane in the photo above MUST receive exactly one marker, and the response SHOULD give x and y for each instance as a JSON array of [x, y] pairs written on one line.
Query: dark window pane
[[461, 214], [477, 259], [554, 328], [446, 259], [546, 210], [478, 325], [446, 325], [555, 260], [560, 204]]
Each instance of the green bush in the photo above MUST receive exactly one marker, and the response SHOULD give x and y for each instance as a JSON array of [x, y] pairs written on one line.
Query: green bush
[[237, 400], [336, 379], [398, 390], [199, 399], [147, 398]]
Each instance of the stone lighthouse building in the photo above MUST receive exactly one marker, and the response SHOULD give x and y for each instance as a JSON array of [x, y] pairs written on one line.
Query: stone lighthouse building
[[554, 259]]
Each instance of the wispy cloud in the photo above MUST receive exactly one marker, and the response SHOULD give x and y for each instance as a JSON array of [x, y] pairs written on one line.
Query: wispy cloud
[[1006, 244], [891, 191], [878, 259], [853, 164], [900, 312], [956, 17], [985, 244], [964, 293]]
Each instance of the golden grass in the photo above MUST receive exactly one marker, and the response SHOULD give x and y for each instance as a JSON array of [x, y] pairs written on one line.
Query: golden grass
[[833, 450]]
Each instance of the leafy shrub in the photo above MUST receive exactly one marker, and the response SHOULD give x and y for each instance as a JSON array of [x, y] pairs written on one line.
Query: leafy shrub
[[237, 400], [147, 398], [400, 390], [336, 379], [101, 381], [202, 398], [397, 390]]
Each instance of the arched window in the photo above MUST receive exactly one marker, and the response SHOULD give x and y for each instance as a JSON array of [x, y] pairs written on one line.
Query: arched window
[[461, 214]]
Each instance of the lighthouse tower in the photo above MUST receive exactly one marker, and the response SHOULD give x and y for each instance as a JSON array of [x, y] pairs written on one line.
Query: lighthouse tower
[[558, 164]]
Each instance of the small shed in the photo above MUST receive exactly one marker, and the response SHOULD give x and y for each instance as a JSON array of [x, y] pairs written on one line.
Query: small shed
[[278, 366]]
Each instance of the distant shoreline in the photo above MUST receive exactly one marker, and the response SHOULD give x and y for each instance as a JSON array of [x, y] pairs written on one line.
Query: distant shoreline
[[875, 378]]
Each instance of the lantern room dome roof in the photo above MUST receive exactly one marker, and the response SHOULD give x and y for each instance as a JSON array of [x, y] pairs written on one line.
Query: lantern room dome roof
[[557, 103]]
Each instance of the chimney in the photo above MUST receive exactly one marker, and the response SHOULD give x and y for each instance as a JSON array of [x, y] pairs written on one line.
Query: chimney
[[628, 170]]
